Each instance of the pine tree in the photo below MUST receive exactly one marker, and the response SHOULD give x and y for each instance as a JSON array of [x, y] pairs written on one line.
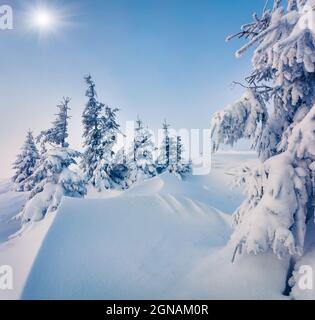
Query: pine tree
[[58, 134], [93, 134], [181, 167], [124, 171], [25, 164], [107, 168], [53, 178], [143, 151], [279, 209], [167, 156]]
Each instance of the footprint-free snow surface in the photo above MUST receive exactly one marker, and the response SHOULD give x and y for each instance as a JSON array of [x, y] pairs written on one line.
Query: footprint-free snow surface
[[162, 239], [123, 248]]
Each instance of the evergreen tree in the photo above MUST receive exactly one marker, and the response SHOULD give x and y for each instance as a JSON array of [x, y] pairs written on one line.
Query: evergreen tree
[[53, 178], [181, 167], [58, 134], [167, 156], [93, 134], [25, 164], [107, 168], [143, 151], [278, 211], [124, 171]]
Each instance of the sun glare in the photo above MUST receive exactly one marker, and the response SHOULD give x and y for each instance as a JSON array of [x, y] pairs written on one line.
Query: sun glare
[[46, 20], [43, 19]]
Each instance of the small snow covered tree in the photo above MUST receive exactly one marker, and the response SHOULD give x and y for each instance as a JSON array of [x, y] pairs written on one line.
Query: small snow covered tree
[[25, 164], [53, 177], [180, 166], [58, 134], [279, 208], [124, 171], [167, 156], [143, 151], [93, 135]]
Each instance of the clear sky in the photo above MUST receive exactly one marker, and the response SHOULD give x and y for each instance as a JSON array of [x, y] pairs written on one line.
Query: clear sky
[[156, 58]]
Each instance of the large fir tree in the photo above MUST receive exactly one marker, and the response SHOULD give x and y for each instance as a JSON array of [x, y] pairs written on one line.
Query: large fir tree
[[93, 135], [278, 213]]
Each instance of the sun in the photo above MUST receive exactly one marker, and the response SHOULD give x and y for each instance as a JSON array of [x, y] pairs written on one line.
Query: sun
[[46, 20], [43, 18]]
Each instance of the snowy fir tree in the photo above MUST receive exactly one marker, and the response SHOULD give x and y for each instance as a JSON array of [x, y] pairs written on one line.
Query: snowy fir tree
[[107, 168], [167, 156], [100, 136], [143, 151], [180, 166], [279, 210], [92, 135], [58, 134], [25, 164], [124, 172], [53, 178]]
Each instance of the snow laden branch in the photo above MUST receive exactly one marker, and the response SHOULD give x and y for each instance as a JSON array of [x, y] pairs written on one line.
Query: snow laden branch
[[54, 180], [244, 119], [280, 124], [280, 195]]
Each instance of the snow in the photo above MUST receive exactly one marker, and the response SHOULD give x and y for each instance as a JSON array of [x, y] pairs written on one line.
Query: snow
[[162, 239], [139, 253], [251, 277], [19, 253], [11, 202]]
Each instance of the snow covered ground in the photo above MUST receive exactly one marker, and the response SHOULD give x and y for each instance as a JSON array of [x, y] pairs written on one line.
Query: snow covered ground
[[161, 239]]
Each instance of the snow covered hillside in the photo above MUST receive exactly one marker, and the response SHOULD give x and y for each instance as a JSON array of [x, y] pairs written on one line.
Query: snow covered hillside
[[161, 239], [10, 203]]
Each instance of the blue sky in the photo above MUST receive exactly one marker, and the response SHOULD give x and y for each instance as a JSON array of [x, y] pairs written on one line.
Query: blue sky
[[156, 58]]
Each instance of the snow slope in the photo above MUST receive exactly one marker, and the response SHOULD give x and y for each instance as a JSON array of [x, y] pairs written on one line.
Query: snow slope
[[161, 239], [10, 204], [19, 253], [123, 248]]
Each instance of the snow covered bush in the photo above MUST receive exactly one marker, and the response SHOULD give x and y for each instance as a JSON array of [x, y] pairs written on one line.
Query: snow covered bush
[[279, 205], [25, 164], [53, 178]]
